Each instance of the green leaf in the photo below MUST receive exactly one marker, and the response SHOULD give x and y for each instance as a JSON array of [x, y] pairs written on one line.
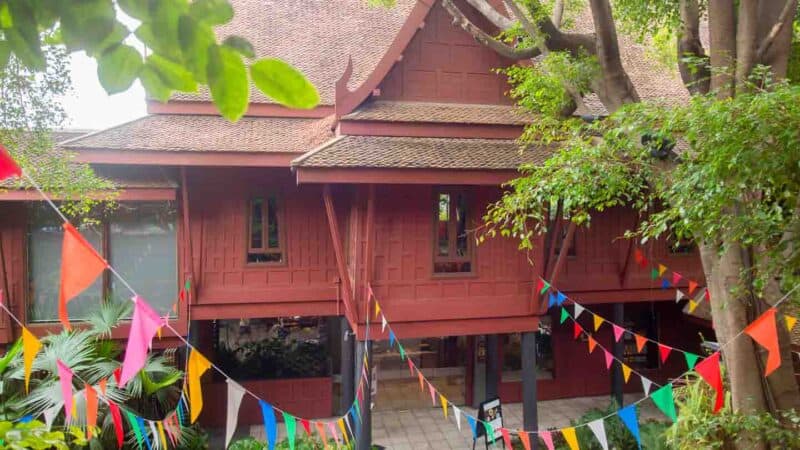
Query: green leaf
[[160, 33], [85, 24], [153, 84], [139, 9], [227, 79], [6, 21], [284, 83], [212, 12], [10, 355], [23, 37], [117, 35], [195, 39], [241, 45], [173, 75], [5, 52], [118, 68]]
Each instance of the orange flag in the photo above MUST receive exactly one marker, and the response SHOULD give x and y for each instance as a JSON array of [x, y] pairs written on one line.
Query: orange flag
[[525, 439], [91, 409], [640, 341], [592, 344], [764, 331], [692, 286], [80, 266]]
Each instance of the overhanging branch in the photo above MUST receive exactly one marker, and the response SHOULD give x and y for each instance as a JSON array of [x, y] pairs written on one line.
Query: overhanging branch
[[484, 38]]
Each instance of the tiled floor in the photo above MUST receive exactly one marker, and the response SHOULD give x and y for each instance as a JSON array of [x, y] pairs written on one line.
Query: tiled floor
[[426, 428]]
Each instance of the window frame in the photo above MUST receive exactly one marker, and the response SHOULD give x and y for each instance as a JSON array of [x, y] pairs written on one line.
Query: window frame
[[265, 249], [452, 229]]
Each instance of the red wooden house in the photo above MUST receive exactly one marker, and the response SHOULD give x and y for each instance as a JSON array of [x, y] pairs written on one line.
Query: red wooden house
[[284, 219]]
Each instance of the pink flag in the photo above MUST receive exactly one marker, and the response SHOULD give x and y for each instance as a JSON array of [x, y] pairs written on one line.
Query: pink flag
[[65, 377], [410, 366], [676, 278], [433, 394], [547, 438], [618, 330], [609, 358], [335, 435], [144, 325]]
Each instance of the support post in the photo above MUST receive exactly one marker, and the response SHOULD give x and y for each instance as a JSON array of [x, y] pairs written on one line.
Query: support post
[[530, 409], [347, 366], [618, 350], [364, 437], [492, 366]]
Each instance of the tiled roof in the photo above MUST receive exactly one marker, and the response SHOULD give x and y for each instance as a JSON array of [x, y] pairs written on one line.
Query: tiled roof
[[473, 114], [421, 153], [317, 37], [167, 132]]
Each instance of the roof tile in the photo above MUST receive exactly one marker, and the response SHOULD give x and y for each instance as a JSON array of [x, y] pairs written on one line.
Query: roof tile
[[474, 114]]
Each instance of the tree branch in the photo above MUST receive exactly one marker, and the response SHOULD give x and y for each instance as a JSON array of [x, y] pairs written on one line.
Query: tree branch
[[696, 79], [784, 18], [616, 88], [558, 13], [484, 38], [500, 21]]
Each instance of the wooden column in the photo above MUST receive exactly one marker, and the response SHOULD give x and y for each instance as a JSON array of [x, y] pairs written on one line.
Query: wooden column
[[530, 409], [364, 436], [347, 367], [492, 366], [617, 381], [338, 251]]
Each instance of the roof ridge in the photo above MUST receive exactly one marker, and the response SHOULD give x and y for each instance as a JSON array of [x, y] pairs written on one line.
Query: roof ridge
[[319, 148], [103, 130]]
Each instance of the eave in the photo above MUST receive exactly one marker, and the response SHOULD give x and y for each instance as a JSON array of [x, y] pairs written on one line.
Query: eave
[[313, 175], [183, 158]]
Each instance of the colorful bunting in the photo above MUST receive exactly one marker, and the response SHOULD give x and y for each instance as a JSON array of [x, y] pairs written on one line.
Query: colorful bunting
[[235, 394], [551, 300], [628, 416], [50, 415], [443, 401], [640, 341], [473, 425], [790, 322], [8, 167], [102, 384], [80, 266], [692, 306], [618, 332], [707, 295], [291, 428], [525, 438], [135, 427], [576, 330], [646, 383], [571, 438], [599, 430], [609, 358], [691, 359], [377, 308], [664, 351], [91, 409], [65, 378], [661, 269], [564, 315], [547, 438], [764, 331], [489, 431], [638, 256], [421, 381], [334, 434], [592, 344], [626, 372], [197, 366], [692, 286], [116, 417], [560, 298], [709, 370], [402, 351], [342, 428], [679, 295], [410, 366], [144, 325], [664, 400], [578, 310], [392, 338], [542, 287], [506, 438], [321, 431], [163, 438], [383, 324], [457, 413], [664, 283], [140, 424], [654, 274], [30, 347], [433, 393], [598, 321]]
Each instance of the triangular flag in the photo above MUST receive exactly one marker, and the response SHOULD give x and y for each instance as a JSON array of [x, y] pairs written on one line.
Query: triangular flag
[[664, 351], [525, 438], [542, 287], [691, 359], [661, 269], [638, 256], [676, 278], [692, 286], [598, 321], [764, 331], [80, 266], [576, 330], [564, 315], [707, 295], [140, 421], [551, 300], [628, 416], [334, 434], [443, 401], [144, 324], [349, 429], [457, 413], [571, 438], [291, 426], [618, 332], [592, 344], [419, 376], [578, 310], [102, 384], [91, 409], [506, 438], [664, 283], [626, 372], [692, 306], [410, 366], [473, 425], [160, 427], [133, 420], [383, 323], [65, 378], [489, 431], [235, 394], [679, 295], [8, 167], [30, 347], [153, 431], [342, 428], [663, 398], [790, 322], [392, 338], [197, 366], [116, 417], [654, 274], [433, 394], [321, 432], [547, 438], [640, 341], [377, 309], [50, 415], [609, 358], [598, 428], [646, 383], [306, 426], [560, 298], [709, 370]]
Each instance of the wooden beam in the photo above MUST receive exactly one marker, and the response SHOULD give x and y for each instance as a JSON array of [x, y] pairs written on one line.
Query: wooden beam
[[188, 235], [623, 274], [369, 252], [338, 251], [122, 195], [562, 254], [552, 239]]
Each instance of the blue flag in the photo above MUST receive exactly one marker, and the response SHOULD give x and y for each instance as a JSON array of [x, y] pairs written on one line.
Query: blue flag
[[552, 301], [664, 283], [356, 422], [392, 338], [140, 424], [628, 416], [473, 425], [25, 419], [270, 427], [561, 299]]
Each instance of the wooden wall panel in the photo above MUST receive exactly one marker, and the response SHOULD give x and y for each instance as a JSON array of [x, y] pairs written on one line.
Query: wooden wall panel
[[12, 263], [442, 63]]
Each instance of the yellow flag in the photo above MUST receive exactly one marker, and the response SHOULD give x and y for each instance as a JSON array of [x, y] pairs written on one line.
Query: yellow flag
[[692, 305], [377, 309], [443, 401], [626, 372], [30, 347], [661, 269], [790, 322], [598, 321], [197, 366], [340, 422], [161, 434], [571, 438]]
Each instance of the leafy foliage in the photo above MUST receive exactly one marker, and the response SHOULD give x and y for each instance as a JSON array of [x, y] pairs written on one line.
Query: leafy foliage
[[31, 435]]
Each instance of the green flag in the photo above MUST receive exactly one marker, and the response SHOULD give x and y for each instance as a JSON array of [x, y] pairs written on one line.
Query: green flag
[[402, 351], [545, 287], [489, 431], [134, 424], [663, 399], [564, 315], [654, 274], [691, 359], [188, 284], [291, 425]]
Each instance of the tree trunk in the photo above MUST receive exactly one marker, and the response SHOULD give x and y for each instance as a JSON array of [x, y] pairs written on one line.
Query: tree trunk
[[722, 31], [774, 13], [615, 89], [746, 37]]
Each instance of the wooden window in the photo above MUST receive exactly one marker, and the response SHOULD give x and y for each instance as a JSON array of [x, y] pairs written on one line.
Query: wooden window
[[452, 251], [264, 243]]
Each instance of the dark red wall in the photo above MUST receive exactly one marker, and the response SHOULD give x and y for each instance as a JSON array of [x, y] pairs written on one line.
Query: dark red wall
[[12, 262]]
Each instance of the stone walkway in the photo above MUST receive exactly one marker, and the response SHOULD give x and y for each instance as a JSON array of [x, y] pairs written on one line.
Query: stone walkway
[[426, 428]]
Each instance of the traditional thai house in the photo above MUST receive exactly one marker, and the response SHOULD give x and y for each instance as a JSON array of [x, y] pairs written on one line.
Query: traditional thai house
[[283, 220]]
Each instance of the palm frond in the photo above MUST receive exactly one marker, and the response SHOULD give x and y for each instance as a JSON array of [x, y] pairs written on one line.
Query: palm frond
[[108, 316]]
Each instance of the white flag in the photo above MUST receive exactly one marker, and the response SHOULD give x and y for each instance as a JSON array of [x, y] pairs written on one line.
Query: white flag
[[599, 430], [679, 295], [457, 413], [646, 385], [50, 415], [154, 432], [383, 323], [578, 310], [235, 394]]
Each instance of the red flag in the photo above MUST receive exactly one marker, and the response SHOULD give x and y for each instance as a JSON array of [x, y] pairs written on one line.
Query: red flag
[[692, 286], [709, 370], [539, 285], [707, 295], [306, 426], [638, 256], [576, 330], [764, 330], [91, 409], [664, 351], [117, 374], [410, 366], [117, 417], [8, 168], [506, 438], [80, 266]]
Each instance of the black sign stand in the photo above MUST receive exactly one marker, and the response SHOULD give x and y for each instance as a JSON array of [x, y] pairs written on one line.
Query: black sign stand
[[489, 411]]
